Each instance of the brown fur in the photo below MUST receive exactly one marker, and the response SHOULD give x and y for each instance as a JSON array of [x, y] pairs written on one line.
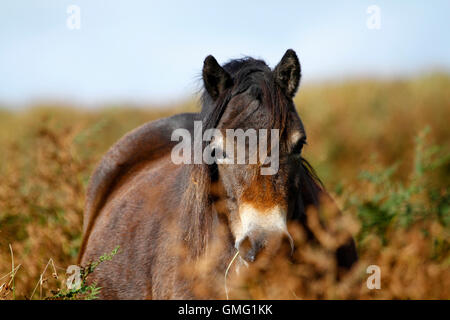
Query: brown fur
[[165, 217]]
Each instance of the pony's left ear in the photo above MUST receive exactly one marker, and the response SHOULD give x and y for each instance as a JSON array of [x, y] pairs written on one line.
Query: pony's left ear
[[288, 72], [215, 78]]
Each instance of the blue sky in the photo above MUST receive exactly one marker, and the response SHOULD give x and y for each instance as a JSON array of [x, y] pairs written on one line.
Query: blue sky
[[146, 51]]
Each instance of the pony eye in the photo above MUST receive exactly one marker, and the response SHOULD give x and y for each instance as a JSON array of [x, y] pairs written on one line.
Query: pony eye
[[218, 153], [297, 149]]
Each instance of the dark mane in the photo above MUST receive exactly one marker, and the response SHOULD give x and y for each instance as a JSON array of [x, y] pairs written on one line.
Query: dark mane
[[246, 72], [237, 65], [311, 173]]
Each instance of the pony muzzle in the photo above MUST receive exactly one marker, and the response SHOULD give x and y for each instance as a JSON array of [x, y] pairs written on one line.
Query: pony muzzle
[[262, 232]]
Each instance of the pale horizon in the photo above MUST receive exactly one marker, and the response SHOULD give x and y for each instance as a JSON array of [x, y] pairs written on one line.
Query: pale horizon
[[152, 54]]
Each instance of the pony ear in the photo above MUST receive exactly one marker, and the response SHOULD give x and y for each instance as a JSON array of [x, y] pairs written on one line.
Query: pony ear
[[288, 72], [215, 78]]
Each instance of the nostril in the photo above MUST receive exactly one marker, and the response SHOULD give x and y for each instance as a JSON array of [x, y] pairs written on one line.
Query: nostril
[[245, 245], [270, 244], [250, 257], [249, 248], [252, 253]]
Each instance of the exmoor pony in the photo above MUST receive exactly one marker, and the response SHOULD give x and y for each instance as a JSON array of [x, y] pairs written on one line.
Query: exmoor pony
[[167, 217]]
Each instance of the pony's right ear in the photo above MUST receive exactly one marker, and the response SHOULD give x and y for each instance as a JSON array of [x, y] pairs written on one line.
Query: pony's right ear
[[288, 73], [215, 78]]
